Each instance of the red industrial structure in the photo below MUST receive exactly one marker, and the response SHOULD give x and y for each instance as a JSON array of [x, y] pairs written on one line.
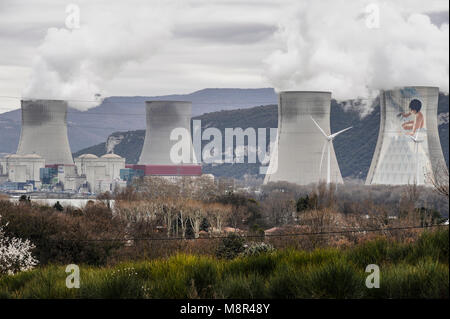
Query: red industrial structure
[[168, 170]]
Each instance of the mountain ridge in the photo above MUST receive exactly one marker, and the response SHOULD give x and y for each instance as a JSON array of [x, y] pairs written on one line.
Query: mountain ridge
[[119, 113]]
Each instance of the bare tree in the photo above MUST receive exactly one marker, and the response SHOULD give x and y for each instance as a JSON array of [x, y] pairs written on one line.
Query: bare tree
[[439, 179], [280, 208], [170, 211], [196, 213], [217, 214], [183, 216], [134, 211]]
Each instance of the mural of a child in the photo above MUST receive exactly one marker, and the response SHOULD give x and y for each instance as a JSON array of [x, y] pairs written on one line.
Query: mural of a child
[[414, 126]]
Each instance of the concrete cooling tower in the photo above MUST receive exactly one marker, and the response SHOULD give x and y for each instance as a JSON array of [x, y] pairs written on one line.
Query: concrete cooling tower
[[162, 118], [304, 151], [44, 131], [408, 148]]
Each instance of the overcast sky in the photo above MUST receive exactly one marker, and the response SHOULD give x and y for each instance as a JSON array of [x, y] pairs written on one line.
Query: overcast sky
[[167, 46]]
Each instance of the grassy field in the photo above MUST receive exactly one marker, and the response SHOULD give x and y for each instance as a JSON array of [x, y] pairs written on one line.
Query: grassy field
[[417, 270]]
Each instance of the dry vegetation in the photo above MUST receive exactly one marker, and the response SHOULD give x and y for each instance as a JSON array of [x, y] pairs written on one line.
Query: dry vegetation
[[159, 218]]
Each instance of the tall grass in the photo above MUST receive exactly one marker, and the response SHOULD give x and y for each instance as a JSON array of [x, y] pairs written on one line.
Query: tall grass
[[418, 270]]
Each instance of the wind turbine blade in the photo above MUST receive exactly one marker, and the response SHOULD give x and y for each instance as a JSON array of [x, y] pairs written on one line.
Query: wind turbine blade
[[415, 139], [342, 131], [321, 158], [324, 134]]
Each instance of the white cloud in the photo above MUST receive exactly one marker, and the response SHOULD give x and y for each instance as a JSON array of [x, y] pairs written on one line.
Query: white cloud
[[152, 48], [328, 46]]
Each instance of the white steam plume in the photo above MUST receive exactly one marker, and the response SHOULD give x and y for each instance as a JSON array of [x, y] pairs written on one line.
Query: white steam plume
[[328, 45], [72, 64]]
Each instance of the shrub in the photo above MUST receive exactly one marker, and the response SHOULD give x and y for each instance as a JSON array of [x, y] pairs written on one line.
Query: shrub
[[288, 283], [260, 264], [167, 278], [434, 244], [15, 254], [322, 273], [230, 247], [203, 276], [427, 279], [254, 249], [377, 252], [43, 283], [63, 238], [336, 279], [120, 282], [241, 286]]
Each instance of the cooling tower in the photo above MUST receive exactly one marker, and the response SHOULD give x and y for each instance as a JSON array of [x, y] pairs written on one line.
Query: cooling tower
[[408, 148], [162, 118], [301, 154], [44, 131]]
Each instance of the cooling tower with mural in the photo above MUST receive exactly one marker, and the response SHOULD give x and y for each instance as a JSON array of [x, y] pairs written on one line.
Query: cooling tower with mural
[[408, 149]]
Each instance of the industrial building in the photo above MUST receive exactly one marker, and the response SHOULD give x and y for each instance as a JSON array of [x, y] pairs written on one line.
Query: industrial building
[[44, 159], [89, 173], [101, 173], [44, 131], [163, 117], [304, 151], [22, 168], [408, 149]]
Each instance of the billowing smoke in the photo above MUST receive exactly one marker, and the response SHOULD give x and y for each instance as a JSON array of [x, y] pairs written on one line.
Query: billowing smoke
[[73, 63], [342, 46]]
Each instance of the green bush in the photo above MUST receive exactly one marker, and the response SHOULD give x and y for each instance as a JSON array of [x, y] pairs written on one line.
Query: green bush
[[336, 279], [288, 283], [241, 286], [43, 283], [168, 279], [114, 284], [203, 277], [434, 244], [260, 264], [427, 279], [254, 249], [377, 252], [230, 246], [418, 270]]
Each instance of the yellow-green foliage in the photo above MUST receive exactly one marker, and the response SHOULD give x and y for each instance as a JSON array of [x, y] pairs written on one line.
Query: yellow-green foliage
[[418, 270]]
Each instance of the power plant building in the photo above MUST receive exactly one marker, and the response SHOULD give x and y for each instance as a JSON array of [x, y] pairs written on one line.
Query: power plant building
[[168, 149], [44, 160], [304, 152], [100, 172], [408, 149], [163, 117], [44, 131], [22, 168]]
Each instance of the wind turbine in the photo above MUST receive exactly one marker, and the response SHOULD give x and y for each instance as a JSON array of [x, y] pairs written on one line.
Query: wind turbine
[[329, 140], [416, 141]]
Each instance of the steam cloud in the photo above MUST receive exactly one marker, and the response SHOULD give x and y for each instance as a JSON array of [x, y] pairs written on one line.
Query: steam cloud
[[72, 64], [330, 47]]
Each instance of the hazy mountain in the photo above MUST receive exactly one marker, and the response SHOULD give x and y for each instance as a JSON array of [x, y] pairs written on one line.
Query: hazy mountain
[[128, 113]]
